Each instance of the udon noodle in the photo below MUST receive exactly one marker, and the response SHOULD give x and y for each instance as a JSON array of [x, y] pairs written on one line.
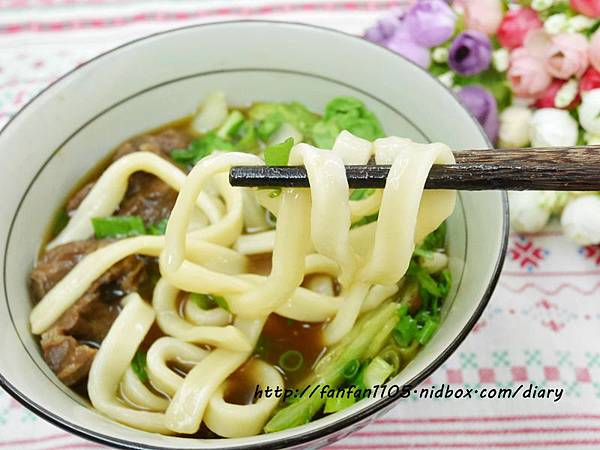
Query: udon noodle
[[205, 249]]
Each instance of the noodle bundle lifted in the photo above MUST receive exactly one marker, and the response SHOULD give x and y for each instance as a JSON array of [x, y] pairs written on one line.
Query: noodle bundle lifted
[[170, 298]]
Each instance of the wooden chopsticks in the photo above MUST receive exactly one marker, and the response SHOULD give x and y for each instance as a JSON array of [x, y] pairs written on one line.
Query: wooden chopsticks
[[556, 169]]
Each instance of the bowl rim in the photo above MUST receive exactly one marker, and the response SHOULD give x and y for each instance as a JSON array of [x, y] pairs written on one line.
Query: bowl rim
[[343, 423]]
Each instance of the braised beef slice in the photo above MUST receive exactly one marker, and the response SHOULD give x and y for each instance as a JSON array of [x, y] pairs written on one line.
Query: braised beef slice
[[147, 196], [68, 345], [76, 200], [56, 263], [161, 143], [67, 358]]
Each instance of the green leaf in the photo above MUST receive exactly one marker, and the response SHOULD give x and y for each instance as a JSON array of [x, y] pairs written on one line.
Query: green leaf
[[118, 226], [279, 154], [294, 113], [138, 364], [200, 148], [346, 113], [159, 228], [324, 134]]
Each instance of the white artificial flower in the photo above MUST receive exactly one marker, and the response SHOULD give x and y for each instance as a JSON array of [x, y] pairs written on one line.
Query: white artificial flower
[[591, 139], [530, 210], [580, 23], [514, 126], [541, 5], [566, 94], [440, 54], [447, 78], [589, 111], [581, 219], [551, 127], [556, 23], [500, 59]]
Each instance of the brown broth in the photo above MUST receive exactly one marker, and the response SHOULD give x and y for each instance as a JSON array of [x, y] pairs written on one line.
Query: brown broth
[[240, 387], [280, 335], [260, 264]]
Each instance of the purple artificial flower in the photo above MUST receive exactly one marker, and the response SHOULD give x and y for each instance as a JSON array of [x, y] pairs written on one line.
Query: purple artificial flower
[[430, 22], [470, 53], [402, 43], [384, 28], [482, 104]]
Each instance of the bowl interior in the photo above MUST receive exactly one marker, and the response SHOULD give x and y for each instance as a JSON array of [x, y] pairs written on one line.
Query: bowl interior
[[63, 133]]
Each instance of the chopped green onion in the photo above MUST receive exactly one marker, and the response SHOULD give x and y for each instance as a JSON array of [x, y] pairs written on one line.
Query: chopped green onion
[[405, 331], [377, 372], [336, 404], [403, 310], [351, 369], [278, 154], [247, 140], [275, 193], [427, 331], [159, 228], [291, 360], [269, 126], [359, 194], [138, 364], [206, 301], [391, 356], [221, 302], [231, 125], [118, 226], [436, 239], [365, 220]]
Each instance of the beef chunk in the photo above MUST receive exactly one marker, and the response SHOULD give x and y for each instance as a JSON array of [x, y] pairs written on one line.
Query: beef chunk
[[56, 263], [78, 197], [68, 346], [68, 359], [147, 196], [162, 143]]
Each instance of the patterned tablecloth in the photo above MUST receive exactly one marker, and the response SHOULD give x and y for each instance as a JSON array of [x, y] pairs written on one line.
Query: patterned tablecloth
[[542, 325]]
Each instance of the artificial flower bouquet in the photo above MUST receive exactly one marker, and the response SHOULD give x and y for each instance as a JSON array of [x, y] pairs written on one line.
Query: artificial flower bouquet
[[528, 71]]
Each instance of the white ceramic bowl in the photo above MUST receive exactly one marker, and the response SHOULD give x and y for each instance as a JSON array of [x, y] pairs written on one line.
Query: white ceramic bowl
[[71, 125]]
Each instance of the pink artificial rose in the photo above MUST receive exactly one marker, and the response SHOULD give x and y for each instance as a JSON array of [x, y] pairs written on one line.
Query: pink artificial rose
[[483, 15], [515, 26], [595, 51], [590, 8], [567, 55], [527, 74]]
